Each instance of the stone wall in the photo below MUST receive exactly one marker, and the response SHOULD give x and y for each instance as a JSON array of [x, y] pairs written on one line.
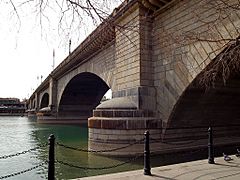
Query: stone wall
[[102, 64], [187, 35], [127, 72], [150, 66]]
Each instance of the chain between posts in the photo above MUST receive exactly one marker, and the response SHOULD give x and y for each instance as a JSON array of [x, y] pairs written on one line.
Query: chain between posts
[[99, 151], [98, 168], [23, 152], [147, 153], [22, 172]]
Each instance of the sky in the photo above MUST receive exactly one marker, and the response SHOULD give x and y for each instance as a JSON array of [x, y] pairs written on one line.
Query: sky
[[27, 49]]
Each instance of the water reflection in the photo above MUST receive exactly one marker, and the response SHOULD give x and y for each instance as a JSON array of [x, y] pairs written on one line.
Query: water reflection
[[72, 135], [20, 133]]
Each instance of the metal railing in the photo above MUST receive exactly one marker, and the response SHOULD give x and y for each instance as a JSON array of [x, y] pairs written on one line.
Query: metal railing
[[146, 155], [52, 160]]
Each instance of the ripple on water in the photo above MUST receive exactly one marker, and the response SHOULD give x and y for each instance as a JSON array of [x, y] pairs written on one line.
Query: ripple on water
[[20, 133]]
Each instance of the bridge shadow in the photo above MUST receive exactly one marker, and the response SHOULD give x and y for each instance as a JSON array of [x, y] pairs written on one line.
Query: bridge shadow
[[155, 176], [230, 164]]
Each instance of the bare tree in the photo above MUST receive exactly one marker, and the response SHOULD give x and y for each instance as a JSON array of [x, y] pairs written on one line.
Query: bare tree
[[225, 57], [70, 16], [67, 17], [227, 61]]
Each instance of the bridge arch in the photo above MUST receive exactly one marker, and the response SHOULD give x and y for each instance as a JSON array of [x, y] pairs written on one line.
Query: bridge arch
[[200, 106], [44, 101], [81, 95]]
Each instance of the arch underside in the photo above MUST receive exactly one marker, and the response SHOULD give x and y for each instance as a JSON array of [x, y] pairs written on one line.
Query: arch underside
[[81, 95], [44, 101], [198, 108]]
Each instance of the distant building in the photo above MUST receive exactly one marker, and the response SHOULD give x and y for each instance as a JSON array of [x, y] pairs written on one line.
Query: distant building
[[12, 107]]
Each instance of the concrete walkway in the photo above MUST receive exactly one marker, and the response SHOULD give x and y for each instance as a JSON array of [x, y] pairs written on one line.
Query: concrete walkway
[[195, 170]]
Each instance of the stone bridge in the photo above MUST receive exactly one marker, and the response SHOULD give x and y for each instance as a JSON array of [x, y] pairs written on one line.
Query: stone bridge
[[151, 54]]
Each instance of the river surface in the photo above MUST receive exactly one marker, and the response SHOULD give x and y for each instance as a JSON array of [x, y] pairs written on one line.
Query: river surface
[[18, 134]]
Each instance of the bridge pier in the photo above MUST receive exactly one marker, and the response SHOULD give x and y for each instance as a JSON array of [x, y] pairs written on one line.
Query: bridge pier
[[50, 115], [152, 64], [119, 126]]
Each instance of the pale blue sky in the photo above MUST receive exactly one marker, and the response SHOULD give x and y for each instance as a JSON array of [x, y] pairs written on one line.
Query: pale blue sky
[[26, 50]]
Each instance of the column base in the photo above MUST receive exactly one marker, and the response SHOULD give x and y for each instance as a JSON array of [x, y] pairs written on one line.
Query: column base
[[44, 119], [116, 133]]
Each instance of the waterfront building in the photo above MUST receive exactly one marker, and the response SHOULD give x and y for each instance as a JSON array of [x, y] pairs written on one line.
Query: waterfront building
[[12, 107]]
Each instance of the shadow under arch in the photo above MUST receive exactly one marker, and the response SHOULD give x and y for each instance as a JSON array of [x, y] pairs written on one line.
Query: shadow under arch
[[198, 108], [81, 95], [44, 101]]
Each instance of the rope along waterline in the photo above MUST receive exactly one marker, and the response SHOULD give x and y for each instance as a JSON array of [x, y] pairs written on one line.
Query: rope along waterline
[[99, 151], [23, 152], [97, 168], [22, 172]]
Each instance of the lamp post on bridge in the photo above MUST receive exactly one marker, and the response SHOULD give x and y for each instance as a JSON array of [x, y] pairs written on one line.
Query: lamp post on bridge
[[69, 46]]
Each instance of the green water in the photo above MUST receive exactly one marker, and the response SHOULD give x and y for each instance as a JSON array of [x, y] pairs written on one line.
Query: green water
[[18, 134]]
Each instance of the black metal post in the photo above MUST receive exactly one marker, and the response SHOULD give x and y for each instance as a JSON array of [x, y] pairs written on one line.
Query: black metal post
[[147, 168], [51, 158], [210, 146]]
